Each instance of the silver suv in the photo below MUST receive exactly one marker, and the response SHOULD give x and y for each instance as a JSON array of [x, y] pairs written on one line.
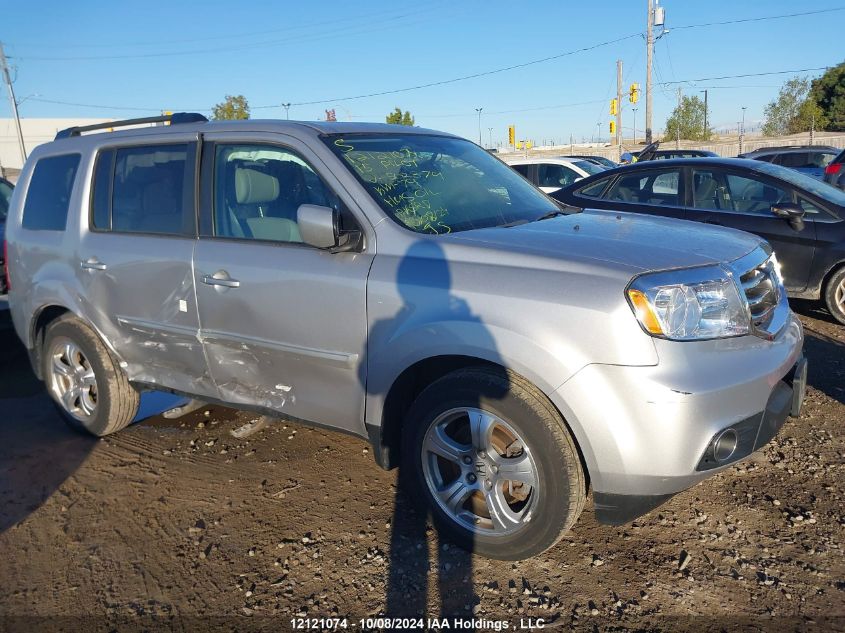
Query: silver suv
[[404, 286]]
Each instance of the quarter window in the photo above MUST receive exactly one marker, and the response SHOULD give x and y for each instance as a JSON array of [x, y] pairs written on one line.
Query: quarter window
[[152, 191], [48, 194], [594, 190], [655, 188], [258, 190]]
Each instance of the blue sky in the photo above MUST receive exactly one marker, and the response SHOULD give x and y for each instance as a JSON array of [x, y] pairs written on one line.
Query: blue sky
[[188, 55]]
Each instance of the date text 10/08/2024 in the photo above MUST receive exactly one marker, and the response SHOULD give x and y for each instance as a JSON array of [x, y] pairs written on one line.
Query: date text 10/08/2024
[[444, 624]]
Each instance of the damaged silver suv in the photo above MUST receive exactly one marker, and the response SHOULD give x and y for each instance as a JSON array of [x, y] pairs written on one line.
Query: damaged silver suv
[[404, 286]]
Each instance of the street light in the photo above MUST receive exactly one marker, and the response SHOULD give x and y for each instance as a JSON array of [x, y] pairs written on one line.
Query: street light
[[490, 130], [479, 124], [286, 106], [742, 130]]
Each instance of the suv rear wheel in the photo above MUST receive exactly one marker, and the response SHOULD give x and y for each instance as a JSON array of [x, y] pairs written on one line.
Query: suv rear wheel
[[495, 463], [834, 295], [84, 379]]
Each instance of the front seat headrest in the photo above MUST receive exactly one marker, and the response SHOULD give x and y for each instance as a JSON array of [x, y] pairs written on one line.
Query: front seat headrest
[[252, 187]]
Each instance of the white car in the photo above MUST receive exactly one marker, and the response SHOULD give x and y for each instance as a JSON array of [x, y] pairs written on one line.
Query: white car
[[552, 174]]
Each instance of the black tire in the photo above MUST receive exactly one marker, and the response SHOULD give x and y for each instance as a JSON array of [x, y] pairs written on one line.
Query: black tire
[[835, 289], [561, 490], [116, 400]]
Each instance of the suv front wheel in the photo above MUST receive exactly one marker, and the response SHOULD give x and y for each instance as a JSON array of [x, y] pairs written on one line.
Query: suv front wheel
[[495, 463], [84, 379]]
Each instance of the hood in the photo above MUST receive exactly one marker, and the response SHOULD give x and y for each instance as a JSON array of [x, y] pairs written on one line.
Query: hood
[[629, 240]]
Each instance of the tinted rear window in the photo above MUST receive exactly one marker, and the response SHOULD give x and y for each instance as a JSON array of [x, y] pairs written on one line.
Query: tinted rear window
[[48, 194]]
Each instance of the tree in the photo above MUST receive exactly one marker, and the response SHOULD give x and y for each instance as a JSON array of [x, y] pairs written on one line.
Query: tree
[[232, 108], [400, 118], [688, 119], [788, 114], [828, 93]]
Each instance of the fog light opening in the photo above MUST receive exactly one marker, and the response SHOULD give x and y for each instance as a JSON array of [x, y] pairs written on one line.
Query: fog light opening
[[725, 445]]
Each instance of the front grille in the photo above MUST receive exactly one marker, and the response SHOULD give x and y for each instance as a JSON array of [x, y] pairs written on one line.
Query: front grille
[[762, 290]]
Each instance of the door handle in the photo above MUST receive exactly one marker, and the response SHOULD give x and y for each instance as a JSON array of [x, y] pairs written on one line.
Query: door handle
[[92, 263], [211, 280]]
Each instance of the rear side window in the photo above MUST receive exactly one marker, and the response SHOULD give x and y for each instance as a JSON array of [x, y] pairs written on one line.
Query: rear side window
[[48, 194], [151, 190], [594, 190], [657, 188]]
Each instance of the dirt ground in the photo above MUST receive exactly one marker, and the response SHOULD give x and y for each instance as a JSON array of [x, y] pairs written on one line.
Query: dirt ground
[[175, 524]]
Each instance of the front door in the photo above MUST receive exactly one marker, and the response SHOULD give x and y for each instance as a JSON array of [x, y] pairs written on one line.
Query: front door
[[744, 201], [283, 323]]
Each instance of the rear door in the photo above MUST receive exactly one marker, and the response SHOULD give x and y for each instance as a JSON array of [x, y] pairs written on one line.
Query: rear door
[[134, 262], [283, 324], [743, 200]]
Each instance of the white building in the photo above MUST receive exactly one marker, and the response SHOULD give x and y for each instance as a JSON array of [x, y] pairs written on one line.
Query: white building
[[35, 132]]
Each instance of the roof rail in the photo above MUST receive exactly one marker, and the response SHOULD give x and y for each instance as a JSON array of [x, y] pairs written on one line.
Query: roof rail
[[174, 119]]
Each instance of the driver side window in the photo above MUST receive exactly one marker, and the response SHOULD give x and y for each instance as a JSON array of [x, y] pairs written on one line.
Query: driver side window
[[258, 190]]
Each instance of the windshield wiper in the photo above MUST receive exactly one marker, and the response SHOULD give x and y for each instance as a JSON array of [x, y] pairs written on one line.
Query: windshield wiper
[[514, 223]]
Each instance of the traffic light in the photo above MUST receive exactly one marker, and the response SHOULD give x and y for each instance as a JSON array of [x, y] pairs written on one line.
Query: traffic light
[[634, 94], [612, 127], [614, 107], [511, 134]]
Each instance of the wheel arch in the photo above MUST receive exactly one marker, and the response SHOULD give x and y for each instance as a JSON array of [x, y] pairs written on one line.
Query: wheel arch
[[386, 437]]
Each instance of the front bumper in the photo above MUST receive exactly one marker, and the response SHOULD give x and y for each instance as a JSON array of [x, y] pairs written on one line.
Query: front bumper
[[647, 433]]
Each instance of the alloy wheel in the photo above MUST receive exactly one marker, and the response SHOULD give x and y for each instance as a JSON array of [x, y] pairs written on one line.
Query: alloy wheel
[[480, 471]]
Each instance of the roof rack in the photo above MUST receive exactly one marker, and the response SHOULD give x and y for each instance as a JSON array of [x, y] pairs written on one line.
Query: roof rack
[[174, 119]]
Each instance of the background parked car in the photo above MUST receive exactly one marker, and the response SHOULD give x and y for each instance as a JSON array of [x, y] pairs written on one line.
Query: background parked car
[[808, 159], [551, 174], [834, 173], [5, 196], [802, 218]]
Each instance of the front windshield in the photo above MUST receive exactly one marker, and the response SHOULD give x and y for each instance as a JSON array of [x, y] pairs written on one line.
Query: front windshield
[[590, 167], [437, 184], [798, 179]]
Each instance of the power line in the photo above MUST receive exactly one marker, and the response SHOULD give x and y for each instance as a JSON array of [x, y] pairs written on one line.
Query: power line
[[774, 72], [227, 36], [465, 77], [371, 27], [758, 19]]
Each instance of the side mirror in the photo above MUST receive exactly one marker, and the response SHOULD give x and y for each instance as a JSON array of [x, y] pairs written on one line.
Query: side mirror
[[320, 227], [791, 212]]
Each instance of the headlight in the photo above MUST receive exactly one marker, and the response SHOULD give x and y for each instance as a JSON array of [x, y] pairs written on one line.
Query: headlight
[[691, 304]]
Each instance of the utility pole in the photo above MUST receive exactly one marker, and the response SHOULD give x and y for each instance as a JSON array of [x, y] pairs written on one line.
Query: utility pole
[[634, 110], [286, 106], [742, 130], [705, 114], [649, 43], [479, 126], [678, 123], [812, 126], [7, 78], [619, 106]]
